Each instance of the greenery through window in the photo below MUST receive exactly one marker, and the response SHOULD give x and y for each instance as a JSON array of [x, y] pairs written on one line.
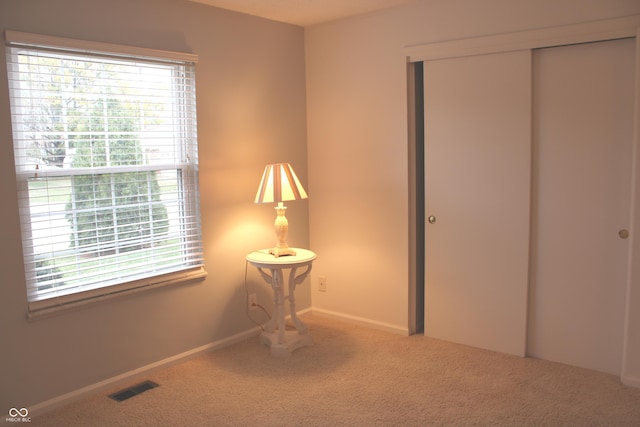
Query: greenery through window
[[106, 162]]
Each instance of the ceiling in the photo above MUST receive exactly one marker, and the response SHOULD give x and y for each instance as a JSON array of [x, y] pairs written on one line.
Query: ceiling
[[304, 12]]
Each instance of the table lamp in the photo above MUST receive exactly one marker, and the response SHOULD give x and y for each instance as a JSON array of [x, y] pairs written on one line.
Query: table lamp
[[280, 184]]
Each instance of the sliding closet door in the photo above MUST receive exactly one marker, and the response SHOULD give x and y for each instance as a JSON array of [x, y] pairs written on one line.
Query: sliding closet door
[[477, 197], [583, 124]]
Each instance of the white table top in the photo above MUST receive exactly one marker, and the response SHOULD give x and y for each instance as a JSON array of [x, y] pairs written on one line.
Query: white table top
[[263, 258]]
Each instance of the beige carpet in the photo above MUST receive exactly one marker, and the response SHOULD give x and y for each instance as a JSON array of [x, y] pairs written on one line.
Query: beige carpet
[[355, 376]]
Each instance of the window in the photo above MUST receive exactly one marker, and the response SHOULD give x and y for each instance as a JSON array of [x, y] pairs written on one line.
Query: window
[[105, 150]]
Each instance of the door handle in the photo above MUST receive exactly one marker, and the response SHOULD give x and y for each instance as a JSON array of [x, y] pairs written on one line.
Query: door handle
[[624, 233], [431, 219]]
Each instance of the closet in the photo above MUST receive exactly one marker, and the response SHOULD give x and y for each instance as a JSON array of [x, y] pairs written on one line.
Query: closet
[[528, 171]]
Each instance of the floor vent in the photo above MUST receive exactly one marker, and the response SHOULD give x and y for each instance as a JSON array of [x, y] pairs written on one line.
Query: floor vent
[[132, 391]]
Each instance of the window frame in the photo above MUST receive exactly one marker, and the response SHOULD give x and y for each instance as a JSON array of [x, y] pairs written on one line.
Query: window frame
[[39, 307]]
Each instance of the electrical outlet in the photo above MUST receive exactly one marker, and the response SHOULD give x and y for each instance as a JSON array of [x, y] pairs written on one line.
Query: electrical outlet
[[252, 302], [322, 283]]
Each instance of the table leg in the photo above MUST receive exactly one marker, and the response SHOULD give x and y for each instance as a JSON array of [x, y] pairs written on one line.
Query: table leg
[[278, 290], [271, 279], [293, 281], [281, 342]]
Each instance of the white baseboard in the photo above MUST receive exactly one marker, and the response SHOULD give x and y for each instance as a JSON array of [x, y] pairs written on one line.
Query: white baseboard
[[631, 381], [388, 327], [112, 382], [304, 312]]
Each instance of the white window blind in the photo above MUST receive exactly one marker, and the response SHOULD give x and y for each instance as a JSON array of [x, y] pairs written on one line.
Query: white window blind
[[105, 150]]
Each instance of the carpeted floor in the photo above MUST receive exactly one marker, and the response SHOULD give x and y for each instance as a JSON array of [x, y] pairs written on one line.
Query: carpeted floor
[[355, 376]]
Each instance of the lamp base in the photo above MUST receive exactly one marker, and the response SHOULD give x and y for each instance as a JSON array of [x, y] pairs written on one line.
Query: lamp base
[[278, 252], [282, 228]]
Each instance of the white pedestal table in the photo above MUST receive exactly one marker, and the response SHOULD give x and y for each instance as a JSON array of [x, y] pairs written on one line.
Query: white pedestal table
[[282, 342]]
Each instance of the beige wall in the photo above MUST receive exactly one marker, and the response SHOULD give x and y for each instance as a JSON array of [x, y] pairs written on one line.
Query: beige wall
[[357, 138], [251, 111]]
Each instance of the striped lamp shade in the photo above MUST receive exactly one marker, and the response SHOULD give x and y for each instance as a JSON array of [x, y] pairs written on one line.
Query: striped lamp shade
[[279, 184]]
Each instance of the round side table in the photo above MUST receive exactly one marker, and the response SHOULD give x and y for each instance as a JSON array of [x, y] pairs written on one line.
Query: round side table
[[282, 342]]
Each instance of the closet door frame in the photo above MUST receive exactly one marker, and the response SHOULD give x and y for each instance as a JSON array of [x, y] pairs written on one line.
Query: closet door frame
[[610, 29]]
